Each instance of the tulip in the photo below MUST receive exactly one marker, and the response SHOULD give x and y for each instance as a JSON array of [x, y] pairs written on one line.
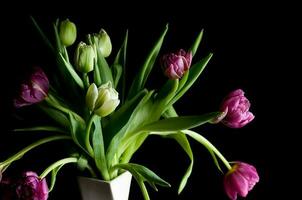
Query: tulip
[[91, 96], [236, 110], [34, 90], [103, 42], [102, 101], [240, 180], [84, 57], [68, 32], [176, 64], [30, 187]]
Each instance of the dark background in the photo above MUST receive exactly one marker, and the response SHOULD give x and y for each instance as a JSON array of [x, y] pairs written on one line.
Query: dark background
[[254, 49]]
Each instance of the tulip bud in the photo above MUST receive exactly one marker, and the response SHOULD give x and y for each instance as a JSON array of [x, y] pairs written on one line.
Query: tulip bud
[[240, 180], [91, 96], [107, 100], [176, 64], [68, 32], [103, 42], [84, 57]]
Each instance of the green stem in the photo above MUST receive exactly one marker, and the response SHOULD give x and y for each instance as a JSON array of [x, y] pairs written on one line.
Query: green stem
[[66, 54], [144, 190], [88, 130], [30, 147], [90, 169], [86, 80], [208, 145], [58, 164]]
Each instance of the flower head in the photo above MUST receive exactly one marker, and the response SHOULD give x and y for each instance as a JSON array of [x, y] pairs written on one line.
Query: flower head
[[30, 187], [34, 90], [236, 108], [240, 180], [176, 64], [68, 32], [102, 100], [84, 57], [103, 42]]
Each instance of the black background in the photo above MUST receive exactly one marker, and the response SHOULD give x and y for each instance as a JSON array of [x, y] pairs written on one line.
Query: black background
[[253, 46]]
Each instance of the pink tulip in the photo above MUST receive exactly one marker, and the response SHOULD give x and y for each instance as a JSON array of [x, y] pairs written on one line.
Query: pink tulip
[[30, 187], [236, 110], [240, 180], [176, 64], [33, 90]]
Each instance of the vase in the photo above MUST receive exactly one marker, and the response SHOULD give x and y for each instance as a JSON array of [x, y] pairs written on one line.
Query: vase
[[116, 189]]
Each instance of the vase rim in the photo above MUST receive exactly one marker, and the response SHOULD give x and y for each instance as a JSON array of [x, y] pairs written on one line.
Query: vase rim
[[126, 173]]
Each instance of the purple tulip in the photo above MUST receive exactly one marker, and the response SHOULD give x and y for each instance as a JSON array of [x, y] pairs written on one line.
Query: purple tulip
[[236, 110], [240, 180], [33, 90], [30, 187], [176, 64]]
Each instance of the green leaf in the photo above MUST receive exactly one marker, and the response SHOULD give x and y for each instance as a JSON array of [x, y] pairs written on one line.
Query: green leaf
[[42, 34], [156, 109], [120, 117], [141, 78], [117, 73], [148, 113], [170, 112], [184, 143], [54, 173], [133, 147], [58, 40], [215, 160], [42, 128], [164, 96], [104, 70], [194, 73], [71, 70], [77, 129], [139, 116], [96, 75], [145, 174], [98, 148], [183, 81], [210, 147], [178, 123], [120, 59], [56, 115], [196, 43]]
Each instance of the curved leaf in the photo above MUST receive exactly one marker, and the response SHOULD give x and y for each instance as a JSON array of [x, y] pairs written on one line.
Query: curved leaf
[[144, 172], [194, 73], [178, 123], [141, 78], [196, 43], [98, 148]]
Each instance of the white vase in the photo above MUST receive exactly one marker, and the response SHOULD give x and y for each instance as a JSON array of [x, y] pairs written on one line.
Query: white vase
[[95, 189]]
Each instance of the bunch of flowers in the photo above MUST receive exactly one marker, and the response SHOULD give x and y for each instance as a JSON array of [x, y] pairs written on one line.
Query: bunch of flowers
[[107, 123]]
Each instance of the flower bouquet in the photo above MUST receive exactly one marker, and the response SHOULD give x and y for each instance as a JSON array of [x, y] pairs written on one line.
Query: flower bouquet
[[107, 122]]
